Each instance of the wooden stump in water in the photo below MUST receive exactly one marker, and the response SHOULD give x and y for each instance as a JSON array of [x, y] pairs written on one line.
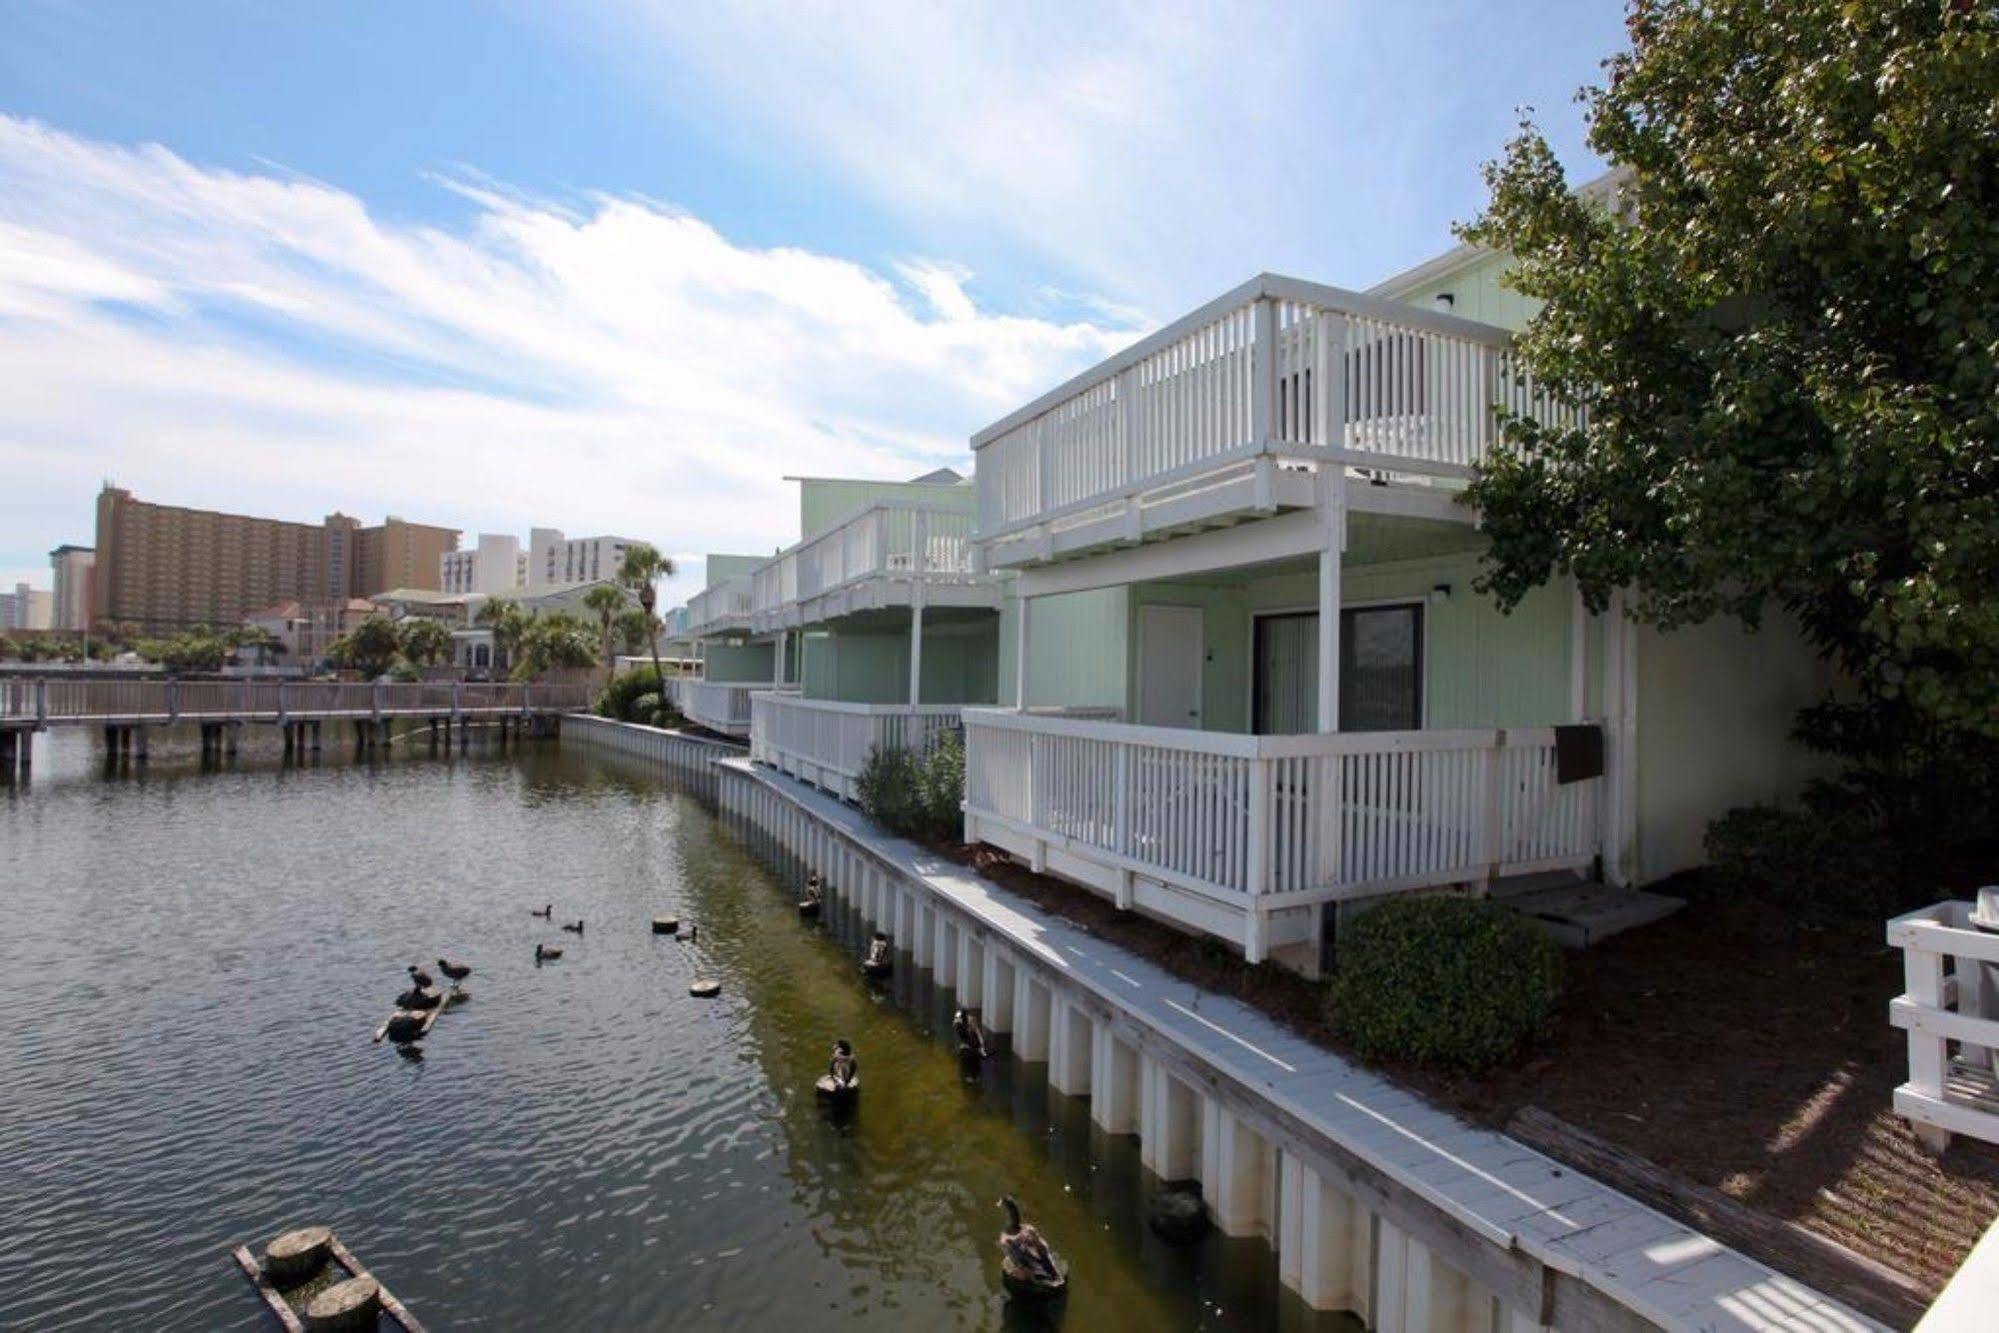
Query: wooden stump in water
[[705, 988], [353, 1304], [1176, 1216], [666, 925], [297, 1255]]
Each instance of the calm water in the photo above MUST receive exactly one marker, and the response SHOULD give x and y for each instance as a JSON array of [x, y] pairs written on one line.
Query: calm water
[[197, 961]]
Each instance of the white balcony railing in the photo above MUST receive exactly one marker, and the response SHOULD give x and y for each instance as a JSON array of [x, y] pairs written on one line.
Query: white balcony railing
[[826, 742], [902, 540], [720, 706], [1411, 391], [724, 607], [1256, 823]]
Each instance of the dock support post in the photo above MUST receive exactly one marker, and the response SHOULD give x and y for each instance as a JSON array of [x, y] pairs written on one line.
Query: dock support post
[[229, 737], [921, 943], [139, 738], [1069, 1048], [9, 746], [1031, 1003], [1169, 1130], [315, 738], [1238, 1172], [996, 991], [944, 950], [971, 970], [1113, 1082]]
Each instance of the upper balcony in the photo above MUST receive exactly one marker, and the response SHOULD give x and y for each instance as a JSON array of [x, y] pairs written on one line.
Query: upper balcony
[[887, 554], [722, 609], [1219, 417]]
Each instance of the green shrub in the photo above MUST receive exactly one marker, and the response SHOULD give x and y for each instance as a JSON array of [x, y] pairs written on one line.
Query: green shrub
[[941, 788], [1459, 982], [636, 696], [1812, 861], [889, 788]]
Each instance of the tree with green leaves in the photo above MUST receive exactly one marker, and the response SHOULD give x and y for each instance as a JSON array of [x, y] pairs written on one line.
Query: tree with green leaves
[[641, 571], [507, 621], [553, 642], [632, 628], [424, 641], [606, 601], [1782, 330], [370, 648]]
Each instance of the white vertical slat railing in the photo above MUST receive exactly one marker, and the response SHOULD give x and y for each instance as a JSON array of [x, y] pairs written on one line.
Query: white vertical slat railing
[[827, 742], [1326, 816], [1415, 392]]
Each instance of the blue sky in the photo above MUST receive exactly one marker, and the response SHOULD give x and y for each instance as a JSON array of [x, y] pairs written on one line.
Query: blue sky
[[613, 265]]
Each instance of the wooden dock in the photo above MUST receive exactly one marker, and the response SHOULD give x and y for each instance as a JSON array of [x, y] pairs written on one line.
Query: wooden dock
[[289, 1318]]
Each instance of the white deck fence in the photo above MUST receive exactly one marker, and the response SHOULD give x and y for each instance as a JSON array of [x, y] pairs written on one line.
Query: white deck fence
[[1284, 819], [896, 538], [1950, 1010], [720, 706], [725, 606], [826, 743], [1410, 391]]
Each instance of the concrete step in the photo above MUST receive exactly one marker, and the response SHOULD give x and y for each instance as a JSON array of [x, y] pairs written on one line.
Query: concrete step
[[1576, 912]]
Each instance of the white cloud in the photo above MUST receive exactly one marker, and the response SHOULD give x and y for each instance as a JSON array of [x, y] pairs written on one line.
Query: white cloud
[[1154, 151], [261, 343]]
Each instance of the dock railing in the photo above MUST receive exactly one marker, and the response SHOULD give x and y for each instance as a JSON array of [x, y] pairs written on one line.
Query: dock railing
[[1949, 1007], [45, 703]]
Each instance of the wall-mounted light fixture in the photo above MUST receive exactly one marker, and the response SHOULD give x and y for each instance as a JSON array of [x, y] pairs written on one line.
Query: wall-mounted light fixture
[[1445, 301], [1440, 592]]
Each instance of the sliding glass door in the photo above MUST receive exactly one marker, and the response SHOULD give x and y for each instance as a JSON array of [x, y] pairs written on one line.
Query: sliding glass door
[[1381, 670]]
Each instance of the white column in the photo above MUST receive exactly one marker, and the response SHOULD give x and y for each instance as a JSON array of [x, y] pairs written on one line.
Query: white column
[[971, 972], [1069, 1049], [997, 988], [916, 643], [1238, 1172], [1324, 1244], [1169, 1129], [1331, 489], [944, 953], [1578, 653], [777, 659], [1021, 643], [1113, 1082], [920, 942], [1030, 1019]]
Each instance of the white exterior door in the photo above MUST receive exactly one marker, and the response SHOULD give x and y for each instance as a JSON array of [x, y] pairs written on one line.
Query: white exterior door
[[1170, 649]]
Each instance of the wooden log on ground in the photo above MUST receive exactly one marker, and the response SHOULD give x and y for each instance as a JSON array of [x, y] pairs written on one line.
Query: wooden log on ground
[[1818, 1261]]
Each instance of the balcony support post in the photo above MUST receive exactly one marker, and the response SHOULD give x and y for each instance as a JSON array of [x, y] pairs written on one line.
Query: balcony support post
[[777, 658], [1020, 647], [1263, 373], [916, 643], [1331, 487]]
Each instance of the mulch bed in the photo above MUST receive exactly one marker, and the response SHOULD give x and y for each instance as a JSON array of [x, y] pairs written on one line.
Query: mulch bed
[[1722, 1044]]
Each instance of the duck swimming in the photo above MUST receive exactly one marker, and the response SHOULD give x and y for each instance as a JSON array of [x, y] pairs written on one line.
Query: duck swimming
[[1027, 1266], [971, 1035], [544, 954], [809, 904], [843, 1072], [547, 913], [575, 927]]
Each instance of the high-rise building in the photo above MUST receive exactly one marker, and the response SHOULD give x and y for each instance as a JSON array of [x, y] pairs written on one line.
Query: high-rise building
[[496, 565], [554, 559], [163, 567], [73, 569], [25, 608]]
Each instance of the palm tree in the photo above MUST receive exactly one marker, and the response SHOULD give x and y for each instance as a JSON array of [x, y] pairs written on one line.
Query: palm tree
[[641, 571], [504, 617], [606, 600]]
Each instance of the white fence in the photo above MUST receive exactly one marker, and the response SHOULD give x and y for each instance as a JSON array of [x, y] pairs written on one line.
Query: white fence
[[1278, 366], [1950, 1009], [723, 607], [721, 706], [894, 538], [1296, 818], [78, 702], [825, 742]]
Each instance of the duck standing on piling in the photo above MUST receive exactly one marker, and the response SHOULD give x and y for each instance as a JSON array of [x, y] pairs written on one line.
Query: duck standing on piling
[[420, 978], [453, 972]]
